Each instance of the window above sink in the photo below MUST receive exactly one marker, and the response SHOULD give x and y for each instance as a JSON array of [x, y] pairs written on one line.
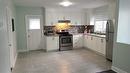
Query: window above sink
[[100, 27]]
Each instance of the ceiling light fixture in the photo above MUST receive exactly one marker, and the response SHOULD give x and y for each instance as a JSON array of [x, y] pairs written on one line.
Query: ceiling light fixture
[[66, 3]]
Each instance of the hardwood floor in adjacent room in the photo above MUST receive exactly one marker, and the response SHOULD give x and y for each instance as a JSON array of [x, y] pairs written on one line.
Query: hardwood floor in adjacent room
[[72, 61]]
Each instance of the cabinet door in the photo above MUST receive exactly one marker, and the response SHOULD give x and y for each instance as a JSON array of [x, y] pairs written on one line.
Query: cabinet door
[[74, 41], [89, 42], [103, 46], [85, 41], [49, 19], [77, 41], [80, 41], [52, 43], [94, 44], [57, 42], [97, 44], [52, 16], [100, 45]]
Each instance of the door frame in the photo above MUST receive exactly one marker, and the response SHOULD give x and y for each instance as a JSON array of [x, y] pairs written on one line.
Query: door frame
[[10, 41], [26, 22]]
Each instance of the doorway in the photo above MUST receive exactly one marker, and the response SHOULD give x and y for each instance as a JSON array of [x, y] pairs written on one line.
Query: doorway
[[34, 32]]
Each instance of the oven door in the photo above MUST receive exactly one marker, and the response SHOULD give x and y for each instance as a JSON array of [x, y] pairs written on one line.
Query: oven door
[[66, 43], [66, 40]]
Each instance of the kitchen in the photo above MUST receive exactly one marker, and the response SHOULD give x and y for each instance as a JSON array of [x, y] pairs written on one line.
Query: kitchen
[[66, 29], [18, 56], [88, 27]]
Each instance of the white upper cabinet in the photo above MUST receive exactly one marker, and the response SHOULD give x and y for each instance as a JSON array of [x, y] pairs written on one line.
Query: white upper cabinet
[[75, 16], [50, 18], [88, 17]]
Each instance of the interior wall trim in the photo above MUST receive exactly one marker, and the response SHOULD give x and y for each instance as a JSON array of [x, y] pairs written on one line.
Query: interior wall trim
[[23, 50], [118, 70], [15, 60]]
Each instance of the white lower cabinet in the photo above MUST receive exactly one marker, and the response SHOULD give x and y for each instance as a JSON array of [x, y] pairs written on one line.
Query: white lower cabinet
[[78, 41], [88, 41], [102, 46], [92, 42], [85, 41], [52, 43], [95, 43]]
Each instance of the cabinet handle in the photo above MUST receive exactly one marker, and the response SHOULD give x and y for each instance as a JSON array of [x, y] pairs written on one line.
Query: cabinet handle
[[91, 38], [53, 38], [102, 40]]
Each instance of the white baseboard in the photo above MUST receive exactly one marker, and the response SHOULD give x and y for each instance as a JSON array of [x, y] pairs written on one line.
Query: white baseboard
[[22, 50], [118, 70], [101, 54], [26, 50]]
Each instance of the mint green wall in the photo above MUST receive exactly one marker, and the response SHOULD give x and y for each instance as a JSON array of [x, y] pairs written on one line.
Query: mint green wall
[[121, 57], [121, 52], [4, 51], [21, 12], [124, 18]]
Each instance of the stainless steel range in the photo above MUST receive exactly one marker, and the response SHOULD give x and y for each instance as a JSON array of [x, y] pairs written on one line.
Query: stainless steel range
[[65, 42]]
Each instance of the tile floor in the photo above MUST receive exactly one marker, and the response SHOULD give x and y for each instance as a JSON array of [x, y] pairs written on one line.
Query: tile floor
[[73, 61]]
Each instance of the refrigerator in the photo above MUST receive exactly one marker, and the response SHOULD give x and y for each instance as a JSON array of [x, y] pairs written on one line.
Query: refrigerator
[[109, 39]]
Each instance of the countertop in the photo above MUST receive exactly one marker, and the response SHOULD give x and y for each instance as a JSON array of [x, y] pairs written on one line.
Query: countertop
[[96, 35], [89, 34], [54, 35], [58, 35]]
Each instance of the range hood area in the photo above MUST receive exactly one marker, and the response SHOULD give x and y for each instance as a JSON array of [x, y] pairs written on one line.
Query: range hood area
[[62, 25]]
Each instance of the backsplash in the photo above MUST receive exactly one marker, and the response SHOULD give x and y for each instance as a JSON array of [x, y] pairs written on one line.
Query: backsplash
[[74, 29], [89, 28], [77, 29]]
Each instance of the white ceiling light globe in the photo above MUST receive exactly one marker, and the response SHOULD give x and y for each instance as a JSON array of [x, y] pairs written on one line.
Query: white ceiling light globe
[[66, 3]]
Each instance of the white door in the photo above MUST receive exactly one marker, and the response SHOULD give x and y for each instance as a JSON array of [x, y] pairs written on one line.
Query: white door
[[34, 32], [10, 35]]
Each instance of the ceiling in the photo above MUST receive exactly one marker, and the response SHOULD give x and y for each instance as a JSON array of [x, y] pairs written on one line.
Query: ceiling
[[55, 3]]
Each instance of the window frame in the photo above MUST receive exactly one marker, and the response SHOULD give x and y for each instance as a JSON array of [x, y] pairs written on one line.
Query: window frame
[[38, 25], [101, 30]]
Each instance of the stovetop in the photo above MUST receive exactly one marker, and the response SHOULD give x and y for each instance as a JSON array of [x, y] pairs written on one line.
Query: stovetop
[[64, 34]]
